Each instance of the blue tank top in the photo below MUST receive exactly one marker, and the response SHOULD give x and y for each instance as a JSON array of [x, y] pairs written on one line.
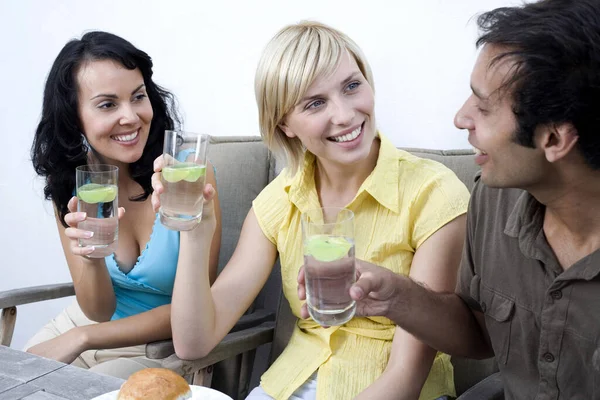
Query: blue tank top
[[150, 282]]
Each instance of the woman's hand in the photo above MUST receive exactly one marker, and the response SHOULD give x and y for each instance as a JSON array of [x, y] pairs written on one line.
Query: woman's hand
[[64, 348], [208, 214], [73, 218]]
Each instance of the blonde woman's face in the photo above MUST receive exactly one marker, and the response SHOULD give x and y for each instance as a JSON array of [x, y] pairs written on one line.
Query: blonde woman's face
[[335, 118]]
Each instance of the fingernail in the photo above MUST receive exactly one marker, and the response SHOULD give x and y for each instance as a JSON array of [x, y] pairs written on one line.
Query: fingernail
[[82, 215], [89, 234], [358, 292], [90, 249]]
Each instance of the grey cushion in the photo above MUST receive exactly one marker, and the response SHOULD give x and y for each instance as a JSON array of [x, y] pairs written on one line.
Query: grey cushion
[[242, 169], [459, 161]]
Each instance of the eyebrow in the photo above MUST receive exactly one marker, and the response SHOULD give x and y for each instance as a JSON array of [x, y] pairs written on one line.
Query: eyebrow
[[114, 96], [344, 82], [478, 94]]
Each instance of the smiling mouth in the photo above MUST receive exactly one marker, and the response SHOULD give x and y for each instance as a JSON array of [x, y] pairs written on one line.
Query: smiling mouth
[[125, 138], [347, 137]]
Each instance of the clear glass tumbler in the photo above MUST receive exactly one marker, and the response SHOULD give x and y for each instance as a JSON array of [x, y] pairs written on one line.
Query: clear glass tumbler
[[98, 196], [329, 264], [183, 177]]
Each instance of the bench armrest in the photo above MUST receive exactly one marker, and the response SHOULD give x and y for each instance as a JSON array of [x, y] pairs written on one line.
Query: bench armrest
[[34, 294], [233, 344], [10, 299]]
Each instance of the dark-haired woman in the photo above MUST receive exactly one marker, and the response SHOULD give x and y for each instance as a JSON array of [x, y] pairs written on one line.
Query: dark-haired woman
[[101, 106]]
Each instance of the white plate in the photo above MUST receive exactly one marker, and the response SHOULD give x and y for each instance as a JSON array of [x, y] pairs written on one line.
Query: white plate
[[198, 393]]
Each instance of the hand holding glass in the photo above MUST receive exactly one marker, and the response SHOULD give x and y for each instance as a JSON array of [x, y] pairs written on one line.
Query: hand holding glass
[[97, 196], [329, 265], [183, 177]]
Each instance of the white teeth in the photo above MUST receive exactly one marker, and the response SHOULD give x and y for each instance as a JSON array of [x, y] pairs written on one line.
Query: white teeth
[[349, 136], [125, 138], [479, 152]]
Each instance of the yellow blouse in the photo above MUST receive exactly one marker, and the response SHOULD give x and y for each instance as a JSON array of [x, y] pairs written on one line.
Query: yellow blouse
[[402, 202]]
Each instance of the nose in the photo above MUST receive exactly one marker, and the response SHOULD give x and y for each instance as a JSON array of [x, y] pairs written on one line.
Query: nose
[[128, 115], [463, 120], [342, 113]]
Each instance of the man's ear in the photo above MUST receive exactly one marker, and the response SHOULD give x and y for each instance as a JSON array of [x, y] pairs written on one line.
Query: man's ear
[[557, 140], [286, 129]]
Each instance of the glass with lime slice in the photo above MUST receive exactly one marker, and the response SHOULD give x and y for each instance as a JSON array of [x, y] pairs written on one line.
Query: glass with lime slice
[[183, 177], [329, 264], [97, 195]]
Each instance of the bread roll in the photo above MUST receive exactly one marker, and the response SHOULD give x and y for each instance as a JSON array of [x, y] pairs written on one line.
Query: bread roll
[[155, 384]]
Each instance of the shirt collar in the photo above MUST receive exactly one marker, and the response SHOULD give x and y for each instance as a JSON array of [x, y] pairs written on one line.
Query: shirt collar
[[526, 222], [382, 184], [384, 181], [526, 217]]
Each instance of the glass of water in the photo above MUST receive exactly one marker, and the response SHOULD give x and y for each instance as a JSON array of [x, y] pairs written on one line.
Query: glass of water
[[329, 265], [98, 196], [183, 177]]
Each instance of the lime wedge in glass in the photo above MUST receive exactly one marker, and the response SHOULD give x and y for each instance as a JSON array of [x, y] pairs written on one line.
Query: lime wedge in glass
[[196, 171], [175, 173], [93, 193], [327, 248], [188, 171]]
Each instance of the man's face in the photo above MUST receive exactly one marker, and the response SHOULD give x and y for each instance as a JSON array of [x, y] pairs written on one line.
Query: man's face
[[487, 115]]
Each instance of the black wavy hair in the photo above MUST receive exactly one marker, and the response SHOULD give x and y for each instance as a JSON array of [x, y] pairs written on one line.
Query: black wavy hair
[[555, 45], [59, 145]]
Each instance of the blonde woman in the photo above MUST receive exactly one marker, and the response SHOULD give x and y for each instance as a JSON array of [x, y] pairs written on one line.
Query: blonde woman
[[314, 91]]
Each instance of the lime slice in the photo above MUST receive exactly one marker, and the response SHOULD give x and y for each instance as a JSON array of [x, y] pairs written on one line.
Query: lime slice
[[111, 193], [327, 248], [188, 171], [93, 193], [196, 172]]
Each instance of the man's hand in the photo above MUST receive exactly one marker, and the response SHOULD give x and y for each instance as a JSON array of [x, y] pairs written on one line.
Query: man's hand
[[376, 291]]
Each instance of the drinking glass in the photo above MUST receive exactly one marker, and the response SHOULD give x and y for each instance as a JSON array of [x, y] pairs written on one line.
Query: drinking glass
[[329, 265], [98, 196], [183, 177]]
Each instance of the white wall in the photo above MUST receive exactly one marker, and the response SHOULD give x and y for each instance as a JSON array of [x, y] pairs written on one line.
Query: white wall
[[205, 51]]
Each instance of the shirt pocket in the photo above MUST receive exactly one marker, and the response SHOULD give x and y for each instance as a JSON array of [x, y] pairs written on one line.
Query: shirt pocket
[[499, 311]]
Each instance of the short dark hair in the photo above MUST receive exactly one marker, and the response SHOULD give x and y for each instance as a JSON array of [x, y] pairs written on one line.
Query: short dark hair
[[556, 76], [59, 145]]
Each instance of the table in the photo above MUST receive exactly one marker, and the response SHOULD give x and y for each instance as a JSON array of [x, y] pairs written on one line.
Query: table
[[29, 377]]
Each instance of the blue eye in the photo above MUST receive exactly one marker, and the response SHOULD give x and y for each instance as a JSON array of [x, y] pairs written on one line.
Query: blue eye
[[315, 104], [353, 86]]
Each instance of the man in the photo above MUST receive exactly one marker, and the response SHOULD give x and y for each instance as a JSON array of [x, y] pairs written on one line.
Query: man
[[529, 283]]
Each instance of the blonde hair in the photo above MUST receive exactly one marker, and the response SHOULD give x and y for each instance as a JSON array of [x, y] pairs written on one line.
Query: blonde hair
[[290, 63]]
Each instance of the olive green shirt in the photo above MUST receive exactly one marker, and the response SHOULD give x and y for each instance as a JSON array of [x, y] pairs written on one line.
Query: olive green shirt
[[543, 321]]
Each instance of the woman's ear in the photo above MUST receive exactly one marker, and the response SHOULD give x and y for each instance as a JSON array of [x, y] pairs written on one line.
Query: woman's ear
[[286, 129], [558, 140]]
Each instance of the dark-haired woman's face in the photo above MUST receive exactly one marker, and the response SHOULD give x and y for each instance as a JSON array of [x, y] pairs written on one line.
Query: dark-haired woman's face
[[114, 110]]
